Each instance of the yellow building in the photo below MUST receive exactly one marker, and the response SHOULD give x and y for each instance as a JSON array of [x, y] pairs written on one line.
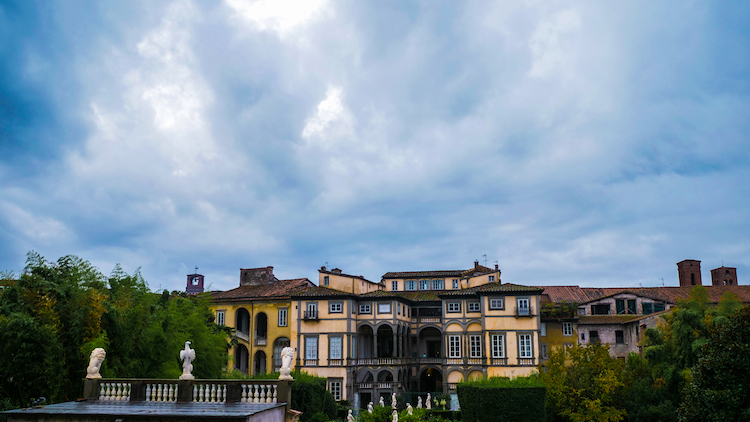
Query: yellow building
[[260, 312], [421, 337]]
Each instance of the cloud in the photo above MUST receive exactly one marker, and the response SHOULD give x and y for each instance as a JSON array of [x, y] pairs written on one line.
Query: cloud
[[574, 143]]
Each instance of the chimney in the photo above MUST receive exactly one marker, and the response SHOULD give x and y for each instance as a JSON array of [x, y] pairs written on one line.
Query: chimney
[[336, 271], [496, 267], [256, 276], [476, 264]]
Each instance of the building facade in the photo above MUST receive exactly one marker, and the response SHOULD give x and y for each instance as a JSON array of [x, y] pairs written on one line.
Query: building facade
[[418, 331]]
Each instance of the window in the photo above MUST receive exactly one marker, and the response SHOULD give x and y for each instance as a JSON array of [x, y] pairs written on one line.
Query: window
[[623, 306], [583, 336], [492, 279], [473, 306], [496, 304], [394, 285], [365, 308], [335, 388], [543, 353], [311, 347], [454, 346], [312, 310], [220, 318], [631, 306], [411, 285], [523, 306], [475, 346], [282, 317], [658, 307], [524, 346], [602, 309], [424, 284], [498, 346], [335, 346], [399, 308], [335, 307], [325, 280], [384, 308], [567, 328], [581, 311], [437, 284], [455, 283], [593, 337], [620, 337], [454, 306], [543, 329]]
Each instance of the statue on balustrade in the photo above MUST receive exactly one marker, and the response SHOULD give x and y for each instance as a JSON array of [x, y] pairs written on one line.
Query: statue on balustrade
[[187, 355], [95, 363], [287, 354]]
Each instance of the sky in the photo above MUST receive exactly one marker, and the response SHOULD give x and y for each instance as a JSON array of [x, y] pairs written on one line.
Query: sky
[[590, 143]]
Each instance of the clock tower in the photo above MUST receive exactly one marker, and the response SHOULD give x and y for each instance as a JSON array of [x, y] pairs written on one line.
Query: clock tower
[[194, 284]]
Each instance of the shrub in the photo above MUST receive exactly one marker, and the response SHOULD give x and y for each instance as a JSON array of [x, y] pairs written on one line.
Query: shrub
[[502, 399]]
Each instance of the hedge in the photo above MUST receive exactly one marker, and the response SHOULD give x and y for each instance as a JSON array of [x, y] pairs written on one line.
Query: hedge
[[500, 400]]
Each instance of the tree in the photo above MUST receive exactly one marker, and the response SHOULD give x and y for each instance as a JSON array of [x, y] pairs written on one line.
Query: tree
[[719, 386], [584, 384]]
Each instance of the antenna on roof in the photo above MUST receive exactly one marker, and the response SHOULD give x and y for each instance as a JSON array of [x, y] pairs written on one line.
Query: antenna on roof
[[662, 282], [485, 259], [196, 269]]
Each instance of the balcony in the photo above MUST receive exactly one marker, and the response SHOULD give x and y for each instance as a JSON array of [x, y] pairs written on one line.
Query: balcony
[[260, 341], [242, 336], [499, 361], [379, 361], [311, 362], [335, 362], [310, 315], [377, 385], [427, 320], [524, 312], [526, 361]]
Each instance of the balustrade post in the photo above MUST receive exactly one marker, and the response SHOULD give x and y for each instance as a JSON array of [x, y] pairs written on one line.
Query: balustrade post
[[185, 391], [234, 392], [91, 389], [285, 393]]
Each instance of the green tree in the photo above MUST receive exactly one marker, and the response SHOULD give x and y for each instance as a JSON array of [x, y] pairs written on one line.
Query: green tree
[[719, 384], [584, 384]]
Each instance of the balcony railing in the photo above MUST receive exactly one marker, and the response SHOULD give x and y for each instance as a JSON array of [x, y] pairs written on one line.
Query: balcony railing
[[526, 361], [499, 361], [452, 386], [336, 362], [475, 361], [377, 385], [524, 311], [260, 341], [427, 320], [242, 336], [310, 315], [311, 362], [379, 361], [195, 391]]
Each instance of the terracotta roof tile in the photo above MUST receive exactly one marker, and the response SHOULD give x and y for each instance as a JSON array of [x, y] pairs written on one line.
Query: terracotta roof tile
[[420, 296], [664, 294], [419, 274], [492, 288], [317, 291], [282, 289]]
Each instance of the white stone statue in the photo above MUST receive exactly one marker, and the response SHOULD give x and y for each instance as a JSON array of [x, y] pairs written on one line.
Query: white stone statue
[[409, 409], [428, 402], [287, 355], [350, 417], [382, 402], [369, 408], [419, 402], [393, 401], [95, 363], [187, 356], [395, 416]]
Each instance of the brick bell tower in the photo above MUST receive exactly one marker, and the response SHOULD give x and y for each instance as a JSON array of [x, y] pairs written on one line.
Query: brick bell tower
[[689, 272], [194, 283]]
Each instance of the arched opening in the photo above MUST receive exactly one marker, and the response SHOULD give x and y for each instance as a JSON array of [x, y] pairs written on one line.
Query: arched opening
[[386, 346], [364, 342], [261, 329], [241, 358], [385, 376], [259, 362], [242, 324], [430, 343], [431, 380], [278, 346]]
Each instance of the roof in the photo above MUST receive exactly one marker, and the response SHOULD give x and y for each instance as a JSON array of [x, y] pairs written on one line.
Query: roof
[[282, 289], [606, 319], [419, 296], [338, 272], [492, 288], [318, 291], [664, 294], [420, 274]]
